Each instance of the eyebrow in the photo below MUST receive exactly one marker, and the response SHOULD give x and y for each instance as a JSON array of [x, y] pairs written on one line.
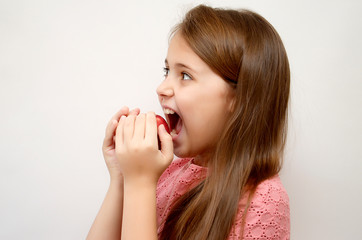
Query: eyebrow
[[181, 65]]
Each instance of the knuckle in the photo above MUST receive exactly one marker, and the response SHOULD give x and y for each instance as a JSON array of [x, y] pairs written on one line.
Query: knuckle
[[149, 147], [135, 148], [141, 117], [151, 115], [167, 137], [130, 119], [120, 151]]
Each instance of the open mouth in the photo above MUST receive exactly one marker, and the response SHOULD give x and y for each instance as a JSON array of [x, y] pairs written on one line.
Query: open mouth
[[174, 121]]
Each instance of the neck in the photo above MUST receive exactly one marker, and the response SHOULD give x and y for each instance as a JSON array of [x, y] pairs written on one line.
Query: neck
[[201, 160]]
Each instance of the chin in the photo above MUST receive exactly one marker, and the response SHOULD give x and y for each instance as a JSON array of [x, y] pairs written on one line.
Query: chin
[[181, 154]]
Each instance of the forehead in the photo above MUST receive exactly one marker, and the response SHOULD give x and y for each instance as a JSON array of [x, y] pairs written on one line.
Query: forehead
[[179, 52]]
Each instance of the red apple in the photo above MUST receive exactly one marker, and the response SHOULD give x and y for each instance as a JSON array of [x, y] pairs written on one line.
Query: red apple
[[160, 120]]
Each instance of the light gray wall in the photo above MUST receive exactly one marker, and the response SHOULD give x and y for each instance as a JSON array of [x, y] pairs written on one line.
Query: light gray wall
[[67, 66]]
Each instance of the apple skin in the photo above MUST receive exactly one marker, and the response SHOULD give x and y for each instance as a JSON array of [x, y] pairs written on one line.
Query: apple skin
[[160, 120]]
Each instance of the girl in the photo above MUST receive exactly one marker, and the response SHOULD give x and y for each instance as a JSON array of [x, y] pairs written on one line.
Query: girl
[[225, 97]]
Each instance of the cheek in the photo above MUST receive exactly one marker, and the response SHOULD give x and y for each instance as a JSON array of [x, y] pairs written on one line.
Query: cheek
[[204, 117], [214, 113]]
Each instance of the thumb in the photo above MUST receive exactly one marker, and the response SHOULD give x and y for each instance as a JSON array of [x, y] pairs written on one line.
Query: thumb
[[166, 142]]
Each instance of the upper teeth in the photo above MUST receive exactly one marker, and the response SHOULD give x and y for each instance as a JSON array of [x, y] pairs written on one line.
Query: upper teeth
[[168, 111]]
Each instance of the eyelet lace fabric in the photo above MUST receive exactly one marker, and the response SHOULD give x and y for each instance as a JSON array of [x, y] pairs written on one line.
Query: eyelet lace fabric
[[267, 218]]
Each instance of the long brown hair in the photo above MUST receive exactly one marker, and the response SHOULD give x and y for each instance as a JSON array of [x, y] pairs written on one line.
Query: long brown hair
[[247, 52]]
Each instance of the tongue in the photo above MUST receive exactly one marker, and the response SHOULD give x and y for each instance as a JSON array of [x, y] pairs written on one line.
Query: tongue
[[178, 126]]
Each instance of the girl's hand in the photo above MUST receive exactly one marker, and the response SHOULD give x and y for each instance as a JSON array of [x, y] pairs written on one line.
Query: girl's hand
[[137, 148], [108, 147]]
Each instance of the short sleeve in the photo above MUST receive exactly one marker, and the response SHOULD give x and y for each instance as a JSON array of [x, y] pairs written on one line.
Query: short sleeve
[[268, 216]]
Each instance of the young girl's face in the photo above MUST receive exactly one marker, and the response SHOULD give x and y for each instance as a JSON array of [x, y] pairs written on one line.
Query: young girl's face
[[196, 101]]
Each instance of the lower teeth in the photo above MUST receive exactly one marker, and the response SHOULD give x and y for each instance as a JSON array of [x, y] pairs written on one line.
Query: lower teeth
[[173, 133]]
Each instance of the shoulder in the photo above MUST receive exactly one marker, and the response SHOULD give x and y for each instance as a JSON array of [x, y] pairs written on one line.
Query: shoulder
[[268, 214], [271, 191], [270, 200]]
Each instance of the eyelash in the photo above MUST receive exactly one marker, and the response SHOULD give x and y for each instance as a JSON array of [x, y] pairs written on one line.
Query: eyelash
[[167, 70], [186, 74]]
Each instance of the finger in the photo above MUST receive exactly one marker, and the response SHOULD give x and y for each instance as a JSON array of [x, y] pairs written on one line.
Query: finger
[[151, 127], [111, 127], [109, 138], [119, 132], [123, 111], [166, 142], [135, 112], [128, 129], [140, 126]]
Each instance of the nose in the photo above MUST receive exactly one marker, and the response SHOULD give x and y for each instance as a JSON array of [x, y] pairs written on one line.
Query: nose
[[165, 89]]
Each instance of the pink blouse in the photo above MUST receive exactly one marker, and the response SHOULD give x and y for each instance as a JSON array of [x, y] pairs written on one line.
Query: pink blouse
[[268, 214]]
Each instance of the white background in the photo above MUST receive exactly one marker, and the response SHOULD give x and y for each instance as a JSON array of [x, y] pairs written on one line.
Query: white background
[[67, 66]]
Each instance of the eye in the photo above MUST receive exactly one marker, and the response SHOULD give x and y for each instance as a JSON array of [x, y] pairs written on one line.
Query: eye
[[186, 76], [166, 71]]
